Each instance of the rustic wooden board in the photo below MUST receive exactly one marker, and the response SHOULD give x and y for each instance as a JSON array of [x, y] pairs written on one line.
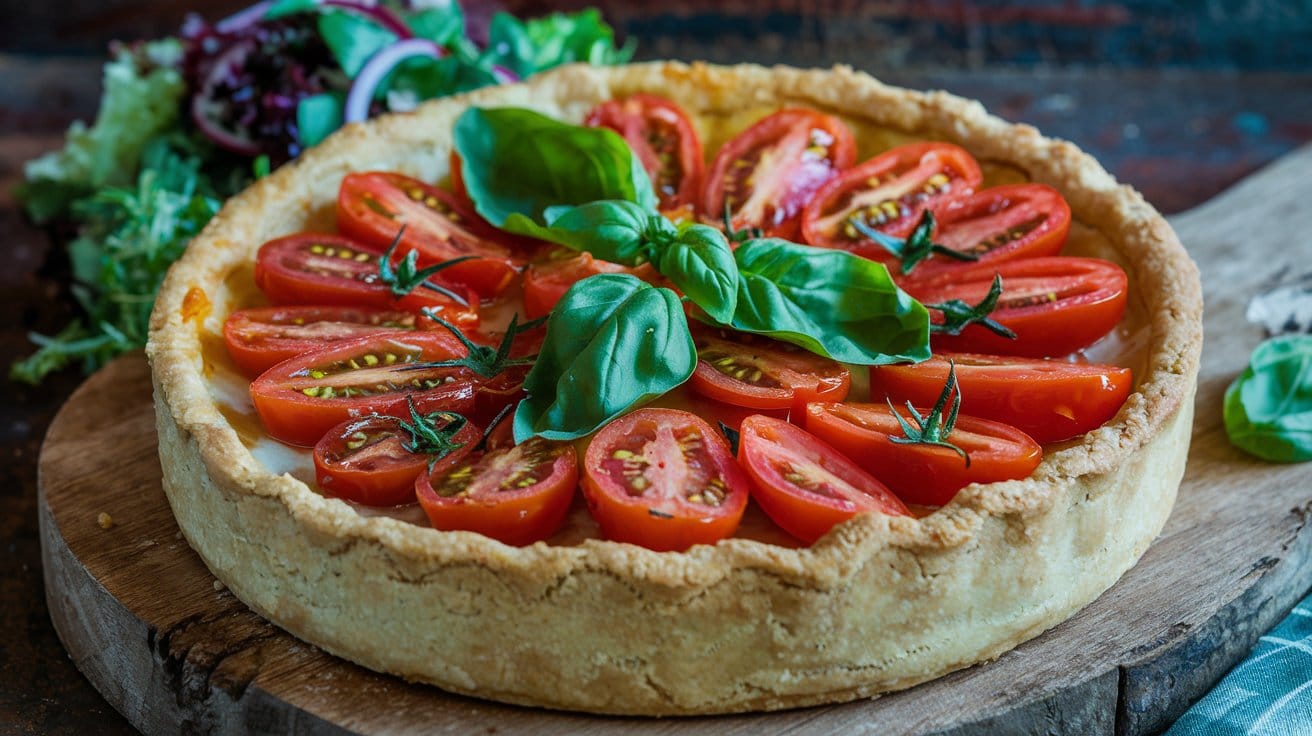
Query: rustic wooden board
[[168, 647]]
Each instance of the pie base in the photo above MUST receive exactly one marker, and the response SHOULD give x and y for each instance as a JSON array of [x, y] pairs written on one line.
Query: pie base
[[878, 604]]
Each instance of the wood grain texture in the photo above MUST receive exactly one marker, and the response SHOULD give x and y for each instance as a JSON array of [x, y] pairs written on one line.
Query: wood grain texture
[[149, 626]]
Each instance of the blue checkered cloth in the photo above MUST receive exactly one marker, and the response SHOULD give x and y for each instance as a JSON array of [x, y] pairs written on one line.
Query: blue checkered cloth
[[1268, 694]]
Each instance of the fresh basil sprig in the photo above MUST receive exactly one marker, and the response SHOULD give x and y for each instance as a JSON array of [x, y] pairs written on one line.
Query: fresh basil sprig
[[916, 247], [1268, 408], [612, 343], [518, 163], [829, 302]]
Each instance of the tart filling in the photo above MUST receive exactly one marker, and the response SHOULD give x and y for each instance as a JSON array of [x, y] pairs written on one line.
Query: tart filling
[[882, 603]]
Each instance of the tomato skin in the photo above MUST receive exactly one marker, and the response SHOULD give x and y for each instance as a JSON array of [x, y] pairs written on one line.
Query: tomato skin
[[383, 472], [517, 515], [775, 375], [905, 175], [372, 207], [259, 338], [1055, 305], [984, 222], [311, 269], [768, 445], [656, 439], [546, 280], [663, 138], [785, 169], [922, 474], [1050, 400], [291, 415]]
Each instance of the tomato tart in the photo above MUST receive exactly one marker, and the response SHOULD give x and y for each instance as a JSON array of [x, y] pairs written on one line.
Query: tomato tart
[[596, 615]]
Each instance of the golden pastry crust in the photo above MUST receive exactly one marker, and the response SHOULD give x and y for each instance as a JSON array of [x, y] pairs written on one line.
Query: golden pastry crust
[[878, 604]]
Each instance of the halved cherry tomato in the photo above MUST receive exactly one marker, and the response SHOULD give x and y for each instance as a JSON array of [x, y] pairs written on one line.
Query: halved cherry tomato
[[262, 337], [663, 479], [1055, 305], [760, 373], [316, 268], [767, 173], [1000, 224], [518, 494], [547, 280], [300, 399], [1050, 400], [888, 193], [924, 474], [805, 485], [373, 206], [366, 460], [664, 140]]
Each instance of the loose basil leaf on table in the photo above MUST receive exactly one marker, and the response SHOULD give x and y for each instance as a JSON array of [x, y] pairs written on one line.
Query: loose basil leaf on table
[[1268, 408], [700, 263], [516, 164], [612, 343], [829, 302]]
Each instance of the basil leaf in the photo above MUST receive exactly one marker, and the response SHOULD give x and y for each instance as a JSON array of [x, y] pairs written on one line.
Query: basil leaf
[[317, 116], [518, 162], [612, 343], [1268, 408], [353, 39], [828, 301], [613, 230], [441, 23], [700, 263], [508, 44]]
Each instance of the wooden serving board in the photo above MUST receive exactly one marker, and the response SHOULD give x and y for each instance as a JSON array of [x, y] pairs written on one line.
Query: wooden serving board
[[170, 648]]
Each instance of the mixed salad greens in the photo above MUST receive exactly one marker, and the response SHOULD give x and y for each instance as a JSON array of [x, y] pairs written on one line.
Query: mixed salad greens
[[185, 122]]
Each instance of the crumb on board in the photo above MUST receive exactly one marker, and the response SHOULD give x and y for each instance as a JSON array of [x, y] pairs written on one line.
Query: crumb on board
[[218, 585], [105, 520]]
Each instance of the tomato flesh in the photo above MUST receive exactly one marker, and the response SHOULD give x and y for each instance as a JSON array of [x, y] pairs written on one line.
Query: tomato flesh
[[1050, 400], [663, 138], [888, 193], [1055, 305], [1001, 224], [374, 206], [366, 460], [803, 484], [663, 479], [767, 173], [300, 399], [923, 474], [758, 373], [517, 495], [546, 280]]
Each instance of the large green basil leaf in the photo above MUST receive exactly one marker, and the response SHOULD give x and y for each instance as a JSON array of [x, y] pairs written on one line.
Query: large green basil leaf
[[828, 301], [517, 164], [612, 230], [701, 264], [613, 342], [1268, 408]]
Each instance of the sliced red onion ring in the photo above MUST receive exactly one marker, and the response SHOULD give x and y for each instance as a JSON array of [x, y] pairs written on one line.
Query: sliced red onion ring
[[384, 17], [242, 18], [203, 102], [376, 70], [504, 75]]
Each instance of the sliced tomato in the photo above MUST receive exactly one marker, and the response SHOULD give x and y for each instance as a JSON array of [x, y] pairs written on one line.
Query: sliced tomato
[[300, 399], [663, 138], [924, 474], [805, 485], [767, 173], [322, 269], [1001, 224], [888, 193], [517, 494], [1050, 400], [663, 479], [547, 279], [1054, 305], [259, 338], [367, 461], [760, 373], [373, 206]]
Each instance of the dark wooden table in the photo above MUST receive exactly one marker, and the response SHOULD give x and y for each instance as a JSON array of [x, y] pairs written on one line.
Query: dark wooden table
[[1179, 135]]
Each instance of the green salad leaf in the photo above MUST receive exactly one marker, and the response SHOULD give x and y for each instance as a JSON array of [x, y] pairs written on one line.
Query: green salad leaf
[[317, 116], [440, 22], [531, 46], [828, 301], [612, 343], [1268, 407], [353, 38]]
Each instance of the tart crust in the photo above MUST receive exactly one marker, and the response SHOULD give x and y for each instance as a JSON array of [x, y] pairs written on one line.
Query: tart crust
[[878, 604]]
